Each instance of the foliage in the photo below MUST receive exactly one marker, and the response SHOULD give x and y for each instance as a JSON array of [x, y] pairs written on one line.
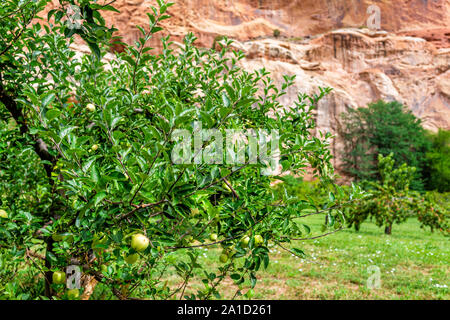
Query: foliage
[[297, 187], [86, 148], [319, 197], [217, 40], [437, 170], [382, 128], [391, 201]]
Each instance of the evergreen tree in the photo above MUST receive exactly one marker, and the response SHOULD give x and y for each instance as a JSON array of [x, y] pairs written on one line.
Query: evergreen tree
[[383, 128]]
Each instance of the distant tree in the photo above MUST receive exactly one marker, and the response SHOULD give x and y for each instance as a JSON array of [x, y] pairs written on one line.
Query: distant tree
[[391, 201], [383, 128], [437, 170]]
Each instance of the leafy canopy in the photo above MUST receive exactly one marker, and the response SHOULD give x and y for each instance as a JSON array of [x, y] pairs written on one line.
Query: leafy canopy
[[85, 147], [382, 128], [391, 201], [437, 170]]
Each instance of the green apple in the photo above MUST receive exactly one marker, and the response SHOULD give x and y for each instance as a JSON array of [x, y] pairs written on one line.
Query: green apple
[[139, 242], [244, 241], [132, 258], [62, 236], [94, 147], [213, 237], [258, 240], [223, 258], [73, 294], [90, 107], [57, 237], [229, 252], [3, 214], [59, 277]]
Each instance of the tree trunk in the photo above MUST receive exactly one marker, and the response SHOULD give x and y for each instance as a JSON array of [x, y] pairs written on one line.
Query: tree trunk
[[89, 283], [48, 266], [388, 229], [41, 150]]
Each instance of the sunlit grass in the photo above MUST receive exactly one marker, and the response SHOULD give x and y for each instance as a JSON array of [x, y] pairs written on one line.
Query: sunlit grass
[[414, 264]]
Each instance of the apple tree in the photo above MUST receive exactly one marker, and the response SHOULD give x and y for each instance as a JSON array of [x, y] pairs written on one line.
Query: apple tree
[[390, 201], [87, 171]]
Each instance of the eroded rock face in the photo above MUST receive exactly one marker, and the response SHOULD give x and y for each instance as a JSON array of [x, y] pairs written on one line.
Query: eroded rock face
[[248, 19], [324, 43], [363, 67]]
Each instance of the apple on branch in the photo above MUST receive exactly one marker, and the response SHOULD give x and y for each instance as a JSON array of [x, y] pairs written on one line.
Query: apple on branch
[[139, 242], [59, 277]]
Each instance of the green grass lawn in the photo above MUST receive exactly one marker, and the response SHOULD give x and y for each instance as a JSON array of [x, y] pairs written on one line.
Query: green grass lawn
[[414, 264]]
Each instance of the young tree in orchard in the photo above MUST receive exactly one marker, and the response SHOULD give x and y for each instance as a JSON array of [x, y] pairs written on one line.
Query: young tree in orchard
[[391, 201], [87, 176]]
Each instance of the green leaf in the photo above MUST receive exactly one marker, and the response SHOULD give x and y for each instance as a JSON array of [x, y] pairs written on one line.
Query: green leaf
[[48, 99], [253, 279], [235, 276], [52, 114], [299, 252], [94, 48], [95, 175], [226, 100], [331, 196], [99, 197]]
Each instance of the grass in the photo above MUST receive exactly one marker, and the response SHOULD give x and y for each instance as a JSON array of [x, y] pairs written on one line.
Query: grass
[[414, 264]]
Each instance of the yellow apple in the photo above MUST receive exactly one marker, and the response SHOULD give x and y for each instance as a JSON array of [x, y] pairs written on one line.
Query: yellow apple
[[73, 294], [3, 214], [90, 107], [132, 258], [258, 240], [94, 147], [139, 242], [213, 237], [59, 277], [244, 241], [223, 258]]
